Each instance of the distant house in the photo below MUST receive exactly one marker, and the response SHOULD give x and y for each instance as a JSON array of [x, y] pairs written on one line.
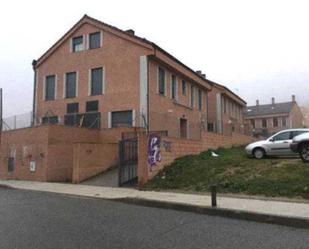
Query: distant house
[[305, 111], [271, 118], [225, 111]]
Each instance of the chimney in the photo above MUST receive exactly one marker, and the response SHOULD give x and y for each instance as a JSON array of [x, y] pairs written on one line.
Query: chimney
[[199, 72], [293, 98], [130, 31], [272, 100], [257, 102], [204, 76]]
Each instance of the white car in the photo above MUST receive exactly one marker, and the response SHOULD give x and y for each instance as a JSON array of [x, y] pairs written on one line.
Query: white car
[[276, 145]]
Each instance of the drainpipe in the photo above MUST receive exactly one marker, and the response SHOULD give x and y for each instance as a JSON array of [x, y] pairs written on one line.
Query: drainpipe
[[34, 62]]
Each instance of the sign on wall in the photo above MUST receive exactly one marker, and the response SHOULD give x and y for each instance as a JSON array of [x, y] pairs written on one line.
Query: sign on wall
[[154, 152], [32, 166]]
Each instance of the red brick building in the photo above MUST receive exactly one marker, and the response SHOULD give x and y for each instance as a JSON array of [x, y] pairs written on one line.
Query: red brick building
[[99, 76], [271, 118], [225, 111]]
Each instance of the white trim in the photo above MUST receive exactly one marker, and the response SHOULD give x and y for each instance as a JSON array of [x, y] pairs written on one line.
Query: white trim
[[87, 41], [109, 120], [71, 45], [64, 84], [133, 118], [158, 79], [143, 77], [84, 42], [56, 86], [103, 80], [36, 96], [44, 88], [171, 96], [101, 39], [89, 81], [76, 87]]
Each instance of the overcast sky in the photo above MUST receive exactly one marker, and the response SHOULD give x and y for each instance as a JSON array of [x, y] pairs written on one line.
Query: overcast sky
[[259, 49]]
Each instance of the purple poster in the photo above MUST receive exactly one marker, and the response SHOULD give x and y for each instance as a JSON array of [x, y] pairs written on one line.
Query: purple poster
[[154, 153]]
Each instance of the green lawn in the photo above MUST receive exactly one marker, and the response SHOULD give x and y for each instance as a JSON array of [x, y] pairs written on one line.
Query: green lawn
[[234, 172]]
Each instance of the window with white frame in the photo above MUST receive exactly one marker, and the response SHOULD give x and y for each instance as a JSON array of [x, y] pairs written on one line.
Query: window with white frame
[[161, 81], [200, 99], [184, 87], [95, 40], [173, 87], [70, 85], [192, 96], [78, 44], [122, 119], [96, 81], [50, 85]]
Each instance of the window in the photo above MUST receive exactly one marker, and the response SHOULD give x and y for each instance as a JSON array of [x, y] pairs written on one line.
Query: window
[[253, 123], [283, 121], [50, 120], [96, 81], [275, 122], [92, 106], [72, 108], [184, 87], [173, 87], [11, 164], [95, 40], [264, 123], [282, 136], [183, 128], [70, 85], [192, 96], [225, 105], [200, 99], [297, 133], [122, 118], [211, 127], [161, 82], [50, 82], [77, 44]]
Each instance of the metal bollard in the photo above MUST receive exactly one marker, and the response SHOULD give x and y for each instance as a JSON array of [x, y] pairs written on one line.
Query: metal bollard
[[213, 189]]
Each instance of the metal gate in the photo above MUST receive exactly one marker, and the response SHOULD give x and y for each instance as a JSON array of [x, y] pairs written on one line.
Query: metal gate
[[128, 160]]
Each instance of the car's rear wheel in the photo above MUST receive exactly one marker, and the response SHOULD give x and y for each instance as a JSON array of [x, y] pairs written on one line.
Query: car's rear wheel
[[304, 153], [258, 153]]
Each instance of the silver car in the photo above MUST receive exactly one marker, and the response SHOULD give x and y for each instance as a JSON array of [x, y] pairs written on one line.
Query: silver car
[[276, 145]]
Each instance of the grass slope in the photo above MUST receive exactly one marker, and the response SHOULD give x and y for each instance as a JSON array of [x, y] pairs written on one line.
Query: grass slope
[[234, 172]]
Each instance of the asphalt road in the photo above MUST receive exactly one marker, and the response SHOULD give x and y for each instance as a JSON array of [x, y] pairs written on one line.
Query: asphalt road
[[41, 220]]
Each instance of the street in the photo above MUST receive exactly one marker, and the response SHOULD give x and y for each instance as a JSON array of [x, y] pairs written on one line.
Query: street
[[43, 220]]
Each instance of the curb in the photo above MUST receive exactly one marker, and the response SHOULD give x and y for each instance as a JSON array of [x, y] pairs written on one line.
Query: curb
[[6, 186], [289, 221]]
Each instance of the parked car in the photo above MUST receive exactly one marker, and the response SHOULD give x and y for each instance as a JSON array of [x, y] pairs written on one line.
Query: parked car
[[300, 144], [276, 145]]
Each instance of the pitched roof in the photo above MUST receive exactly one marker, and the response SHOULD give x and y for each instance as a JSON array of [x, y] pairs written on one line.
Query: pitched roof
[[132, 35], [271, 109]]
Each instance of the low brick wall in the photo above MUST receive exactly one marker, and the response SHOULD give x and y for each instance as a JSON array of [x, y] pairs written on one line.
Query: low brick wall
[[173, 148], [51, 149], [91, 159]]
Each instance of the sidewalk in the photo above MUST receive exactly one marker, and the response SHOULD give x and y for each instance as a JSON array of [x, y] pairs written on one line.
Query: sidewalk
[[278, 212]]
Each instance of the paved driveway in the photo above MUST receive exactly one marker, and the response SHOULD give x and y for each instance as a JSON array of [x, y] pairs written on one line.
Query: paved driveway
[[106, 179]]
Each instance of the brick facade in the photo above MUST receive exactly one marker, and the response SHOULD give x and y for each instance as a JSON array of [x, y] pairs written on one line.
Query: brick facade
[[180, 147]]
